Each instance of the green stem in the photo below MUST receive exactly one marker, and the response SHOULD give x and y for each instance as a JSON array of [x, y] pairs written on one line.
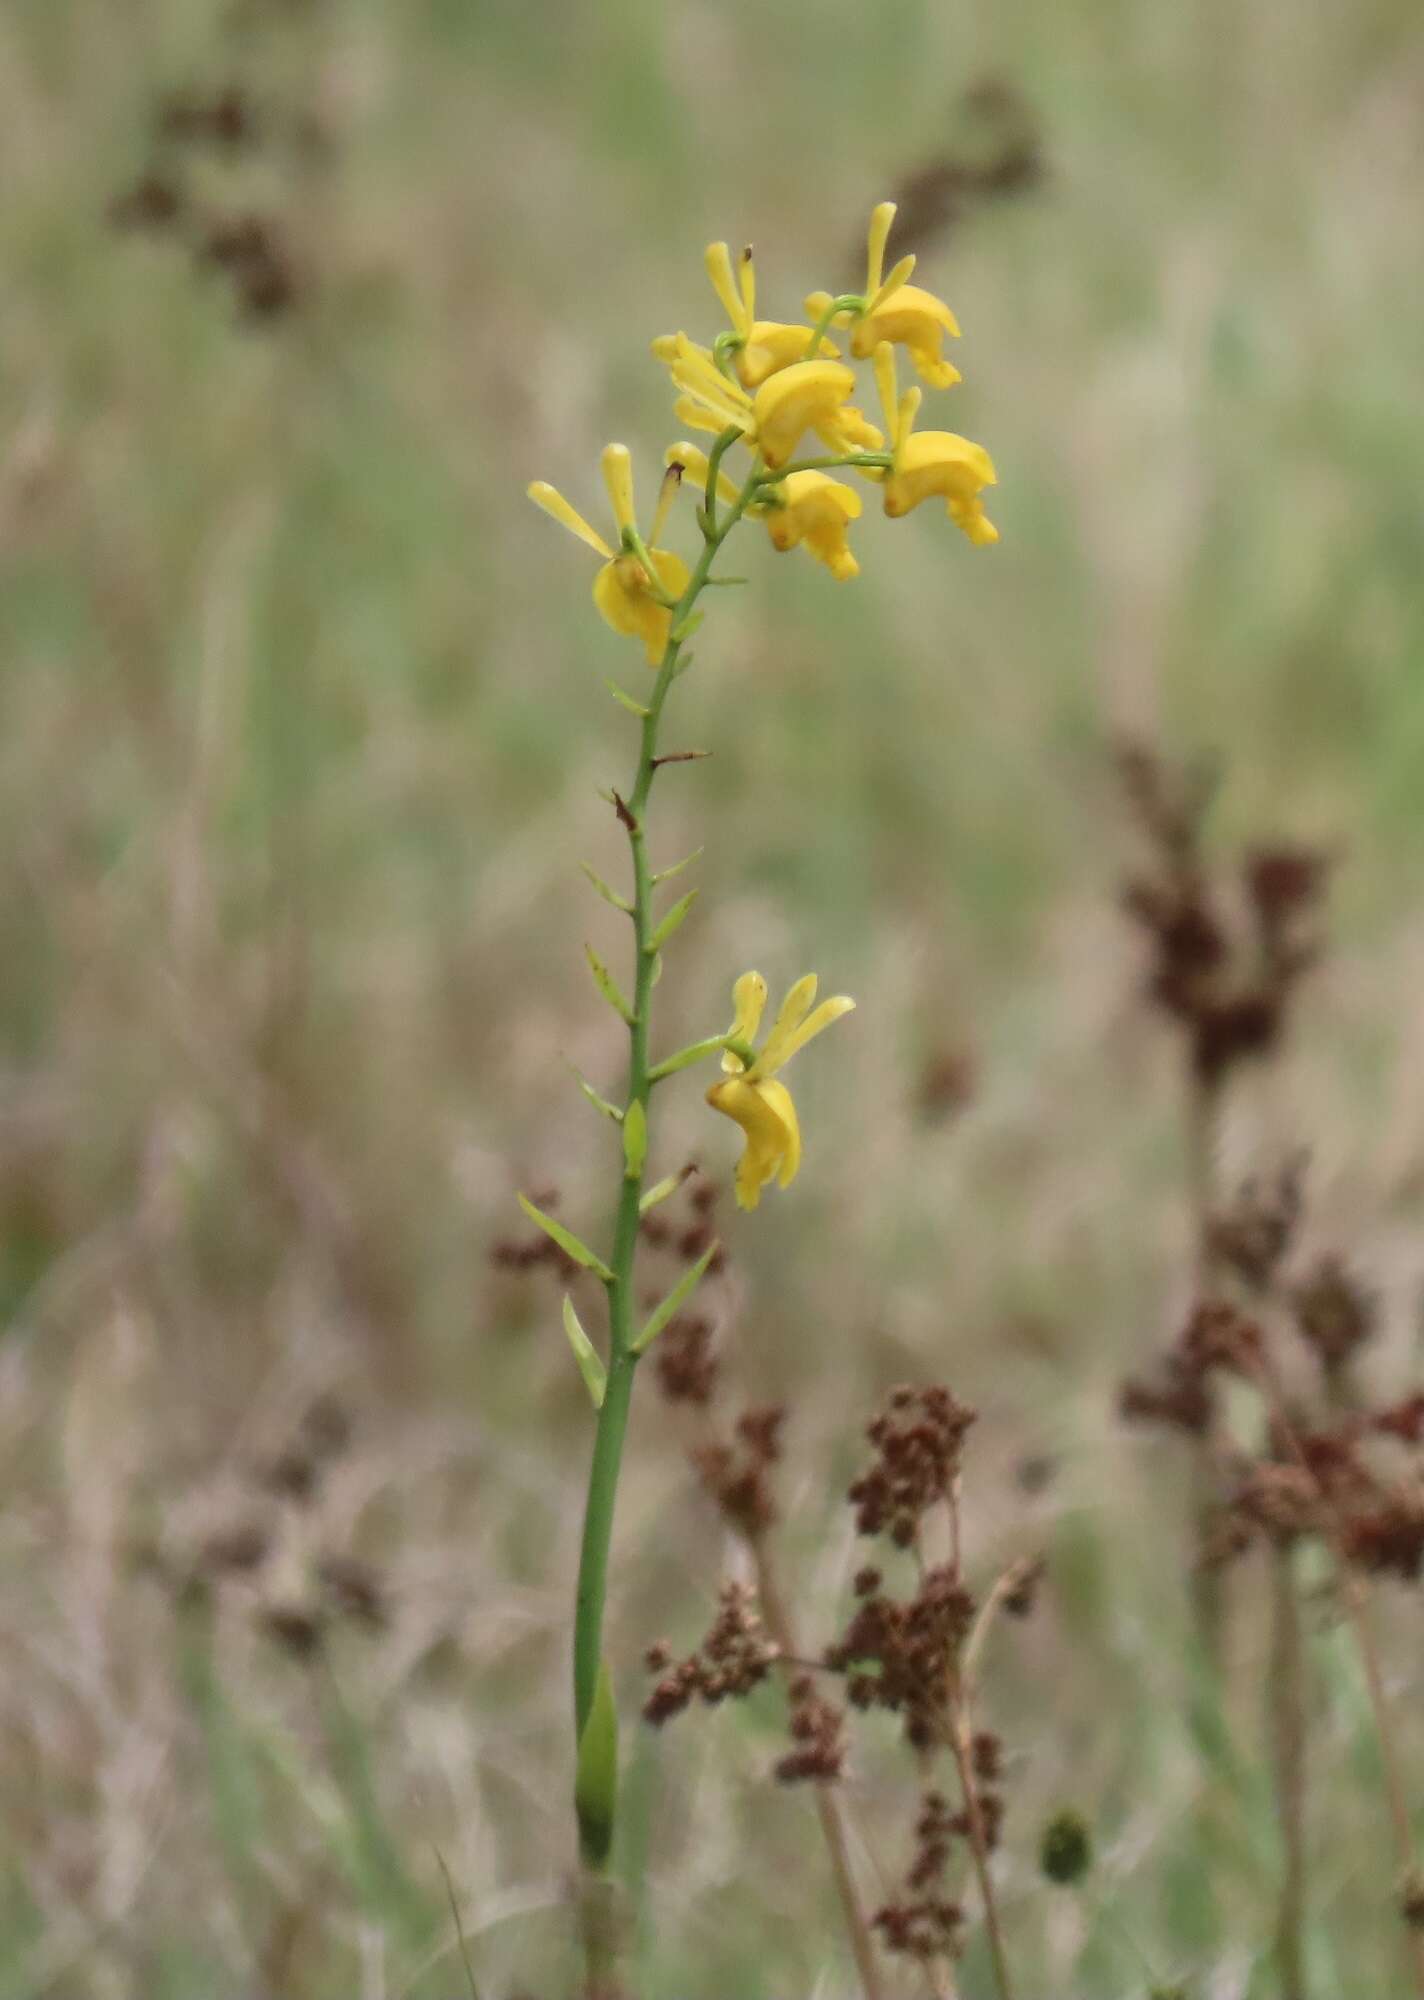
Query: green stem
[[879, 459], [613, 1415], [847, 302]]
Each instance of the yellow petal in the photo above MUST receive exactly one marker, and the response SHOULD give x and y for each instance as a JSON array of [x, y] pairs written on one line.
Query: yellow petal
[[793, 1011], [937, 463], [771, 345], [748, 1001], [672, 572], [813, 515], [553, 502], [688, 409], [767, 1134], [618, 478], [847, 429], [667, 493], [887, 384], [620, 590], [882, 216], [808, 396], [748, 278], [898, 277], [828, 1011], [693, 461], [777, 1098], [718, 259], [696, 374]]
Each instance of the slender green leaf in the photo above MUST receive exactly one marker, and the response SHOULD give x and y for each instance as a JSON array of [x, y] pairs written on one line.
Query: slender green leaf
[[603, 979], [685, 627], [684, 1059], [566, 1240], [666, 874], [635, 1139], [626, 701], [609, 895], [598, 1103], [660, 1192], [679, 1295], [672, 920], [596, 1782], [591, 1368]]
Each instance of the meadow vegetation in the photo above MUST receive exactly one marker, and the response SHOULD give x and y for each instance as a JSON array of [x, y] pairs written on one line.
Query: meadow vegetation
[[306, 726]]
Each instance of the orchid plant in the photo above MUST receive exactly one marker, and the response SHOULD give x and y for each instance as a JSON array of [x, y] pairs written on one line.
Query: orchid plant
[[758, 389]]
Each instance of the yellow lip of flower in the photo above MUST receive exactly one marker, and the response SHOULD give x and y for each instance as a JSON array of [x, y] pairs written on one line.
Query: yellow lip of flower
[[816, 511], [895, 310], [762, 345], [752, 1095], [772, 345], [932, 464], [917, 321], [810, 395], [622, 589]]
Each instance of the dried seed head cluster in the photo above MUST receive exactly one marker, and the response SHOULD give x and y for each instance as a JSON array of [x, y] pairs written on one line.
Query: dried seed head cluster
[[817, 1730], [1334, 1314], [248, 245], [1007, 160], [901, 1655], [735, 1656], [898, 1654], [917, 1439], [1252, 1234], [293, 1585], [1228, 987], [923, 1921], [736, 1474], [1348, 1475]]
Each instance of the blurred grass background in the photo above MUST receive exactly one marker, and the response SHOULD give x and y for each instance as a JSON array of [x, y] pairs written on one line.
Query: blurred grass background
[[304, 724]]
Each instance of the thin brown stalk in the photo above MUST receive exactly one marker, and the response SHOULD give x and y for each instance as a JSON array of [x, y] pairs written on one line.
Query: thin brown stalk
[[961, 1742], [778, 1624], [1288, 1734], [1201, 1117], [1358, 1609]]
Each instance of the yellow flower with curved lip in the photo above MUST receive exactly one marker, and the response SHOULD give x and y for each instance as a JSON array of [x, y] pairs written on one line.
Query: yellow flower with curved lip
[[931, 464], [807, 396], [709, 400], [806, 509], [816, 511], [810, 396], [752, 1095], [896, 310], [762, 345], [628, 599]]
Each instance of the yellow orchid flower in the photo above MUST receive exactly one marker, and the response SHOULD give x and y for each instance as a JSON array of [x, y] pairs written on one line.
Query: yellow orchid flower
[[807, 396], [896, 310], [931, 464], [627, 597], [760, 346], [751, 1093], [815, 514], [810, 396], [806, 509]]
